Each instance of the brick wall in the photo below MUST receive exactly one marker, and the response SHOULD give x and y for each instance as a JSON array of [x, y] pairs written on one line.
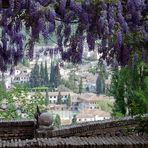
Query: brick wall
[[98, 128], [26, 129], [16, 130]]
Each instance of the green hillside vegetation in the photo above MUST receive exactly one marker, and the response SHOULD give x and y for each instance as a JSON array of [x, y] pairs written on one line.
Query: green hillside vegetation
[[105, 105]]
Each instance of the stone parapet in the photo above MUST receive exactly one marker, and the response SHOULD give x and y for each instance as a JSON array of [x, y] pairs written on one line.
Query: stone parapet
[[17, 129], [77, 142], [95, 128], [27, 129]]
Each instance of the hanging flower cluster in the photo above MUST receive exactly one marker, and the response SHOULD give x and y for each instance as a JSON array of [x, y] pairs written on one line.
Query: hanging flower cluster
[[74, 22]]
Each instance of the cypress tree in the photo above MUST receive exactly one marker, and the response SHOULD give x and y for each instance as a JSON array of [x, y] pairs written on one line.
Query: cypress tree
[[46, 78], [59, 100], [57, 120], [57, 79], [35, 76], [47, 98], [52, 74], [42, 74], [2, 83], [103, 75], [80, 86], [98, 85], [25, 62]]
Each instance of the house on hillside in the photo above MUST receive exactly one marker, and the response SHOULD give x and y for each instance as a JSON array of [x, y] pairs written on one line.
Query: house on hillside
[[21, 70], [21, 78], [90, 100], [75, 103], [87, 101], [21, 75], [89, 82], [53, 96], [92, 115], [57, 107]]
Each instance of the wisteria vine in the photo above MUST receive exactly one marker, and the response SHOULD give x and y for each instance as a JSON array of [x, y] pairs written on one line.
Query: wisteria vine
[[120, 26]]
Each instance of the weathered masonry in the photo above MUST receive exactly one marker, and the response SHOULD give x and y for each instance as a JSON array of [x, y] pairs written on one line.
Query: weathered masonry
[[108, 133], [78, 142], [99, 128], [17, 130]]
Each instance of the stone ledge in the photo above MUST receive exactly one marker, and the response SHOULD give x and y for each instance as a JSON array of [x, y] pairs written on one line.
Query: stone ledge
[[77, 142]]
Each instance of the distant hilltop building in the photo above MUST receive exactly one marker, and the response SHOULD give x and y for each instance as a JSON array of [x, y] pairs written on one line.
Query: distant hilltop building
[[21, 78], [21, 75]]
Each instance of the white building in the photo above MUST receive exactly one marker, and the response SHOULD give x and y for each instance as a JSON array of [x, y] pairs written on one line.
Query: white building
[[21, 75], [92, 115], [21, 78], [21, 70], [53, 96]]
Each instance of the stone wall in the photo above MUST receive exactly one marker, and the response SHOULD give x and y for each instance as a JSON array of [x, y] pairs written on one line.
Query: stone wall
[[77, 142], [105, 128], [16, 130], [26, 129]]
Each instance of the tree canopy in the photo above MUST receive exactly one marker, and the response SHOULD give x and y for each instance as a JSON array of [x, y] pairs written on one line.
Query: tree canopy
[[57, 120], [129, 88], [55, 76], [15, 104], [39, 76], [118, 29]]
